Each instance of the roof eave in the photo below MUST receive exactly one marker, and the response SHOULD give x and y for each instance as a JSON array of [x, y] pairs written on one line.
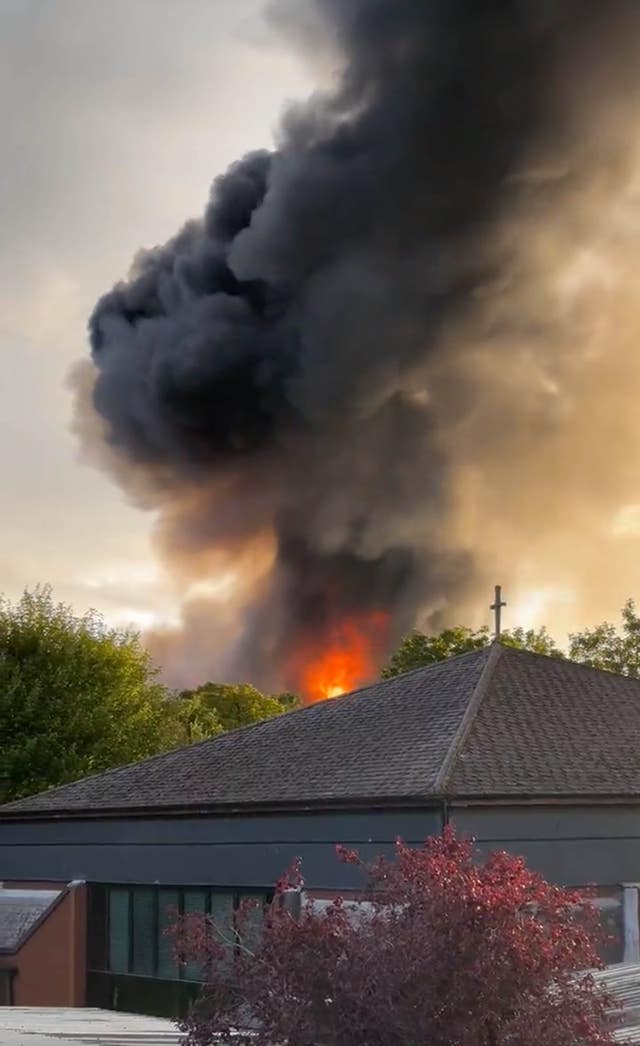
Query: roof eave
[[368, 803], [542, 798], [226, 809]]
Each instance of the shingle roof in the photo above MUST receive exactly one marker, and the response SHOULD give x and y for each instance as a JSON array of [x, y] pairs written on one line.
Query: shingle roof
[[389, 739], [20, 910], [551, 727], [494, 722]]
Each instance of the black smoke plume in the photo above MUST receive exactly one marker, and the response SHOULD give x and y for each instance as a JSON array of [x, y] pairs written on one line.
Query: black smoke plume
[[291, 381]]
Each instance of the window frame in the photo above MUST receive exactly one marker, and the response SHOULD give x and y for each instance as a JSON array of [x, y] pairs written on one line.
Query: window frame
[[99, 937]]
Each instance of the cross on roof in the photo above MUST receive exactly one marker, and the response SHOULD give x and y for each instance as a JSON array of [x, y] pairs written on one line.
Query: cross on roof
[[497, 609]]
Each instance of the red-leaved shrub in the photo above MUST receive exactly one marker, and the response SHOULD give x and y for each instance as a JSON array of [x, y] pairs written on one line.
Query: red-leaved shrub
[[449, 952]]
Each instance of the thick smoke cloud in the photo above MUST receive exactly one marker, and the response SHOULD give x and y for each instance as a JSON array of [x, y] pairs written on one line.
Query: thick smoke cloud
[[327, 385]]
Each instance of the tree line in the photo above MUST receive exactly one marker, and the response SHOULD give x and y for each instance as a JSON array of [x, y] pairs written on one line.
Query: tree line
[[78, 697], [604, 646]]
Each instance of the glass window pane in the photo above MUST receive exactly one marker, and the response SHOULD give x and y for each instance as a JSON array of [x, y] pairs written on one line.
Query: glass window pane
[[195, 903], [221, 907], [252, 919], [119, 930], [144, 934], [221, 916], [168, 915]]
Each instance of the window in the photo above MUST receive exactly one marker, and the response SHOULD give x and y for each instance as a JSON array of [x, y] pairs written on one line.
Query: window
[[168, 912], [127, 926], [195, 903], [119, 931], [253, 920], [144, 934], [221, 912]]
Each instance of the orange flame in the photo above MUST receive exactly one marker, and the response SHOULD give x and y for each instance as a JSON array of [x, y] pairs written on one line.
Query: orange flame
[[351, 657]]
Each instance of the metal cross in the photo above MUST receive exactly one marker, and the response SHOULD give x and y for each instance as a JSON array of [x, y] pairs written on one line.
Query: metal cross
[[497, 608]]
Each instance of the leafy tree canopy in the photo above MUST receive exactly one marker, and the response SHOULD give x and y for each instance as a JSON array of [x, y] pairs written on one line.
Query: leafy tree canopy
[[76, 697], [607, 647], [418, 649], [216, 707]]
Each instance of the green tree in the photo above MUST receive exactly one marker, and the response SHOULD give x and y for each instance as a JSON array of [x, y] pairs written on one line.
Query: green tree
[[288, 701], [194, 720], [607, 648], [418, 649], [537, 640], [76, 697], [214, 708]]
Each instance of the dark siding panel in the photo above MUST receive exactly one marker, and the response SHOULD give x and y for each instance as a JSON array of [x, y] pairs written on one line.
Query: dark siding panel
[[249, 866], [581, 862], [165, 851], [575, 847], [223, 865], [360, 827], [549, 822]]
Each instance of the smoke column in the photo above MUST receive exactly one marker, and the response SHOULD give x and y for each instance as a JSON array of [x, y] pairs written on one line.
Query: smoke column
[[396, 352]]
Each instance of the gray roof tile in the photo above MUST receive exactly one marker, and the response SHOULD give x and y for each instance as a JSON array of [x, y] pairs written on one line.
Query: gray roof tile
[[20, 910], [551, 727]]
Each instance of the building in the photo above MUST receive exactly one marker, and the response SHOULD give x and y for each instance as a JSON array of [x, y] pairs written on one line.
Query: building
[[524, 752]]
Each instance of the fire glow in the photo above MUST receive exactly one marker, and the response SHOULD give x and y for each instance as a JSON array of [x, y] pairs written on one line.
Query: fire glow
[[350, 657]]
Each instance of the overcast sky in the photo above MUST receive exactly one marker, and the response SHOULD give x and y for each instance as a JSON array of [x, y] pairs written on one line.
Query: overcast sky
[[116, 116]]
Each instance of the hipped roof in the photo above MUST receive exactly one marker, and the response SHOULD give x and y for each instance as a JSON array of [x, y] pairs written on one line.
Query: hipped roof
[[498, 723]]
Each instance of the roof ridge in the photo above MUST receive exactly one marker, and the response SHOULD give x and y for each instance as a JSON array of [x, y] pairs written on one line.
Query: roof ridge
[[495, 653]]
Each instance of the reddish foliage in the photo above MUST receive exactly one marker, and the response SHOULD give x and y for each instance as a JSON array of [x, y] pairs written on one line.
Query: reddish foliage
[[450, 952]]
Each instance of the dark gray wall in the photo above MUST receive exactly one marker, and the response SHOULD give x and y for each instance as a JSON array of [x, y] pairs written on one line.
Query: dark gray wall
[[218, 851], [574, 846], [570, 845]]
